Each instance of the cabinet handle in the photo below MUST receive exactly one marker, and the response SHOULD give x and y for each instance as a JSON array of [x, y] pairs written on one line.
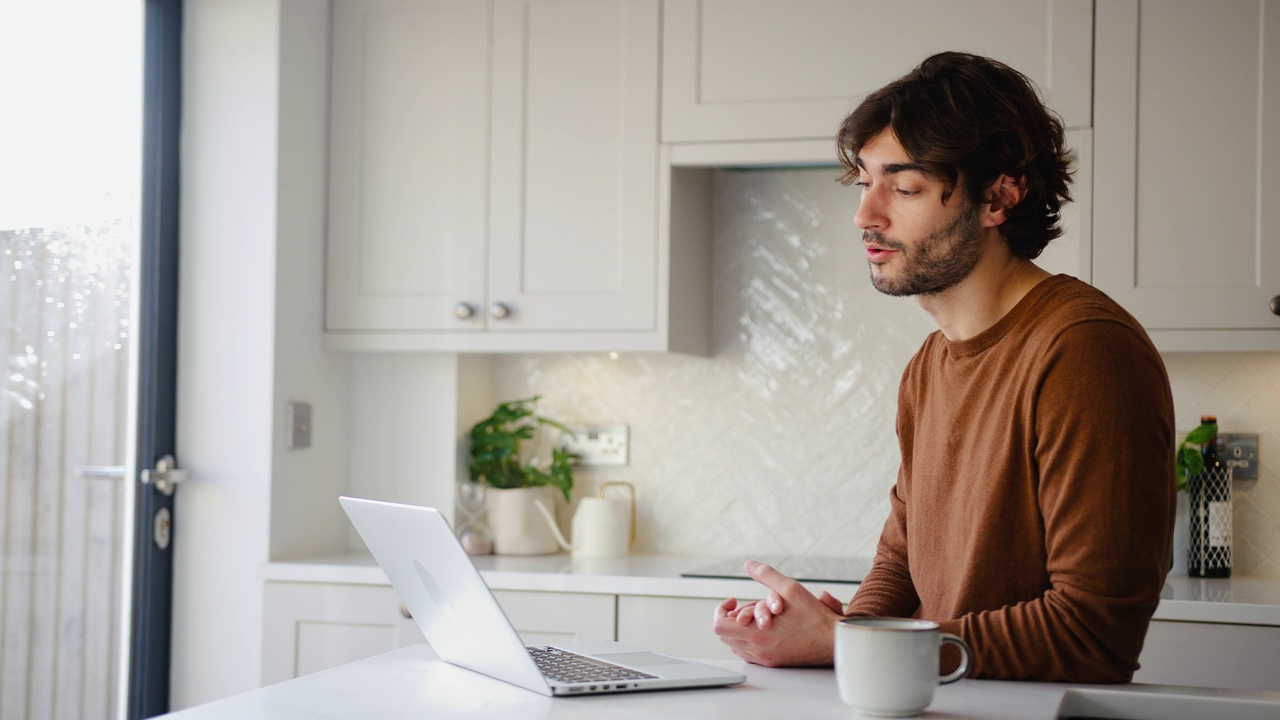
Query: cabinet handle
[[404, 612], [1275, 305], [500, 311], [464, 311]]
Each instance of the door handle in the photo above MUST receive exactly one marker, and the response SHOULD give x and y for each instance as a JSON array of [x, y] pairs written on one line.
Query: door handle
[[165, 475]]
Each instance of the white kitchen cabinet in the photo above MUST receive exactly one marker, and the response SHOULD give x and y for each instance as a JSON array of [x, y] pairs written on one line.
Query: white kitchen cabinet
[[1175, 653], [1211, 655], [309, 627], [314, 626], [1187, 171], [671, 625], [771, 70], [408, 185], [494, 176], [555, 617], [1071, 252]]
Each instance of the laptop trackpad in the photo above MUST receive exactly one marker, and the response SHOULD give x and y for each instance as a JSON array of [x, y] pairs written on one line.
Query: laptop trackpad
[[640, 659]]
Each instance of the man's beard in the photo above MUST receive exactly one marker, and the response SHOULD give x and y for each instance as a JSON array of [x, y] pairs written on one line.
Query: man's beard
[[938, 262]]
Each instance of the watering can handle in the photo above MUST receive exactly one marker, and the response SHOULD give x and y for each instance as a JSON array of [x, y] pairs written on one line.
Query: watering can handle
[[632, 489], [555, 527]]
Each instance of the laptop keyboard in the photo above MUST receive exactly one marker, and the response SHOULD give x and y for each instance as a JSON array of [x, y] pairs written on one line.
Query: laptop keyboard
[[568, 667]]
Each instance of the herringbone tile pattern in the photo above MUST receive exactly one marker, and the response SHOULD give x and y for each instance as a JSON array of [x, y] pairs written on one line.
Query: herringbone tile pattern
[[783, 442]]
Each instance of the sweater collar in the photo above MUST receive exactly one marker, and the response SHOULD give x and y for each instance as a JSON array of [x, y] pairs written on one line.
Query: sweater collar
[[994, 334]]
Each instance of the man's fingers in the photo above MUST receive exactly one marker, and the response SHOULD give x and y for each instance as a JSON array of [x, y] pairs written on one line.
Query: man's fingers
[[784, 586], [763, 616], [726, 608], [830, 601], [775, 602]]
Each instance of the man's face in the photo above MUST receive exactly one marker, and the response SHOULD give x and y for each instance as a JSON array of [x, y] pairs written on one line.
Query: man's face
[[915, 243]]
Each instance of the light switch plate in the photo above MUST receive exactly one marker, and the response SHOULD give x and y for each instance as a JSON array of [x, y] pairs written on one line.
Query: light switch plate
[[599, 444], [1241, 452], [297, 432]]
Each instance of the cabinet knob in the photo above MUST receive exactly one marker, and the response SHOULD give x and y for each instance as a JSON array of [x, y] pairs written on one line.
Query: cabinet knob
[[1275, 305], [464, 311], [500, 311]]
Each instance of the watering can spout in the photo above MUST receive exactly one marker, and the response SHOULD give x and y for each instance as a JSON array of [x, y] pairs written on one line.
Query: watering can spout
[[555, 526]]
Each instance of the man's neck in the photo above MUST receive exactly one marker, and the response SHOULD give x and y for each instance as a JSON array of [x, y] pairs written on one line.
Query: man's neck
[[994, 287]]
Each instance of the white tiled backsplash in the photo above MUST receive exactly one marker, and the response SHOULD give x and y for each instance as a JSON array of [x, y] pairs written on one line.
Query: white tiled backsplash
[[783, 441]]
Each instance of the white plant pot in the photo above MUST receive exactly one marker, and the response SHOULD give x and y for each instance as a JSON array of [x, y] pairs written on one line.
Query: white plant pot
[[515, 523]]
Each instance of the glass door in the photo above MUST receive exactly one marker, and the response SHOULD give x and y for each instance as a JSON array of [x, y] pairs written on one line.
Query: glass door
[[84, 384]]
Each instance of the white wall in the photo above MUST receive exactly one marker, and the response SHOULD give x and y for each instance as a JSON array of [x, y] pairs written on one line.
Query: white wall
[[404, 431], [227, 343], [306, 519], [252, 306]]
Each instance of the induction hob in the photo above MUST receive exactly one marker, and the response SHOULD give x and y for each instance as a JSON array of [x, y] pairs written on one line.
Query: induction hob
[[808, 569]]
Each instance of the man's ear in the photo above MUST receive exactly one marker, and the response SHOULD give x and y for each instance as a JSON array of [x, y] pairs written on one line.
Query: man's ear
[[1003, 195]]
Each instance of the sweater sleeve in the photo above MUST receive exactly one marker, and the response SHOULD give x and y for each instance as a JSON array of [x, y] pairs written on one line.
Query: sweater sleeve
[[1103, 444], [887, 590]]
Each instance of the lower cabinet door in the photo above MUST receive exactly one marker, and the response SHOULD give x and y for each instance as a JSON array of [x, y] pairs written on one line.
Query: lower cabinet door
[[1243, 657], [542, 618], [682, 627], [308, 627]]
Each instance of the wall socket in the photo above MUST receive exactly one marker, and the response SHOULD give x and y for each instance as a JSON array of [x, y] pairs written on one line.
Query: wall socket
[[1241, 453], [598, 444], [297, 431]]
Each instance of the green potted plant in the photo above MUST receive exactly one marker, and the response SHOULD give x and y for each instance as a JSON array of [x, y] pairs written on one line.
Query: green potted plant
[[508, 456]]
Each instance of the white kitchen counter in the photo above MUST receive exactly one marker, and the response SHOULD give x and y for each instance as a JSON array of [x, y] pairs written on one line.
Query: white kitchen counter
[[1237, 600], [654, 575], [413, 683]]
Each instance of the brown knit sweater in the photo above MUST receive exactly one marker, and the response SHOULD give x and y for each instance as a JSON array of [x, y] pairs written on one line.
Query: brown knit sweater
[[1033, 511]]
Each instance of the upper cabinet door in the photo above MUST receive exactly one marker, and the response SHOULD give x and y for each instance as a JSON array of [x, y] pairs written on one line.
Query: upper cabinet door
[[407, 179], [574, 165], [737, 70], [1187, 185]]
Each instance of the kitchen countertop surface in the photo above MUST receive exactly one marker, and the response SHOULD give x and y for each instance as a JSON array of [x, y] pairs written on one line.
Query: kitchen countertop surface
[[412, 683], [1236, 600]]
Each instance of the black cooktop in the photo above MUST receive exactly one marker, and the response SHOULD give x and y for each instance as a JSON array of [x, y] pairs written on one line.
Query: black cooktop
[[808, 569]]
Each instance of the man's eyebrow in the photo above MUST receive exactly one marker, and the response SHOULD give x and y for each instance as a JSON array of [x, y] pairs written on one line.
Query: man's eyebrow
[[894, 168]]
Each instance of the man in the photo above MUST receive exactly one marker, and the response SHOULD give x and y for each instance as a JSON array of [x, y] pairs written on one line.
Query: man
[[1033, 509]]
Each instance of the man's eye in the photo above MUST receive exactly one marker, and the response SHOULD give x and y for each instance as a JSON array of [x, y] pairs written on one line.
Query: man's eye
[[904, 192], [862, 183]]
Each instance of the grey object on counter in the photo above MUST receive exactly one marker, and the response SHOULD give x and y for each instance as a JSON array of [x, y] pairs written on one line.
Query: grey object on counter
[[806, 569]]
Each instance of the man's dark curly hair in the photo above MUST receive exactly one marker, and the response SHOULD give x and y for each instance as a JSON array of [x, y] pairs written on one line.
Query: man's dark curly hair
[[968, 120]]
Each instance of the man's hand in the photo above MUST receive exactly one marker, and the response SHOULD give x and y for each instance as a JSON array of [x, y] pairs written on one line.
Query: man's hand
[[763, 634]]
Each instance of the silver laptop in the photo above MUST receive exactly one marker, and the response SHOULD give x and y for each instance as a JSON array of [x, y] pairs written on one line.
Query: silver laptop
[[461, 619]]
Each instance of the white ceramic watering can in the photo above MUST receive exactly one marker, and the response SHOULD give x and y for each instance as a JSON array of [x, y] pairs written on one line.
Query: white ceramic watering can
[[602, 527]]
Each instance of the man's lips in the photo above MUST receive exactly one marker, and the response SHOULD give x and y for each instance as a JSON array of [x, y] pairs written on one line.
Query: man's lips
[[876, 253], [879, 248]]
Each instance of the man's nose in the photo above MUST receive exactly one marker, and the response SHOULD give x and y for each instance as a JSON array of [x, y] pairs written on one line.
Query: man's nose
[[869, 215]]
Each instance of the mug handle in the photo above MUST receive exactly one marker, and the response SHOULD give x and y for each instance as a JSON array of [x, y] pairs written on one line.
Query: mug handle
[[965, 661]]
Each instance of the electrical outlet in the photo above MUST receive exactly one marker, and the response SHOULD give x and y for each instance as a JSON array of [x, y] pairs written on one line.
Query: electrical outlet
[[1241, 453], [297, 432], [601, 444]]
